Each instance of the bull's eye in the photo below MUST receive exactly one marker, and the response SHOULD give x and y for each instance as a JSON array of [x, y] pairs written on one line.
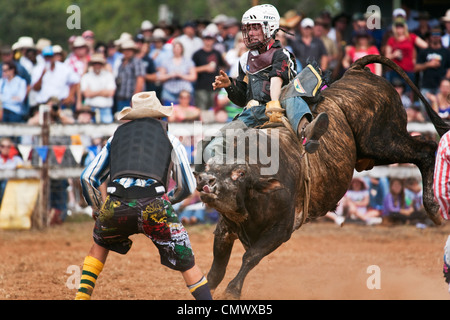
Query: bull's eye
[[237, 174]]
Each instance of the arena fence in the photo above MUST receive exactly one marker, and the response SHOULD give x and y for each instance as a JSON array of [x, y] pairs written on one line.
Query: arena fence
[[54, 160]]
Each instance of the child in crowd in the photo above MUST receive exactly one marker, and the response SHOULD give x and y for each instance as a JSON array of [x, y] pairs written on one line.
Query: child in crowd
[[356, 202]]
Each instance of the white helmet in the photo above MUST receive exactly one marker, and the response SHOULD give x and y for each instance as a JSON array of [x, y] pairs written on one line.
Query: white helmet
[[267, 16]]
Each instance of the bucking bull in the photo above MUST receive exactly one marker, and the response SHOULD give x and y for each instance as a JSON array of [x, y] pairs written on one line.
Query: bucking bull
[[368, 127]]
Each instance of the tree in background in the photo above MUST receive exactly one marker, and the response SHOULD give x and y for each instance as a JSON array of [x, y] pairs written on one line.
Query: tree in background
[[108, 19]]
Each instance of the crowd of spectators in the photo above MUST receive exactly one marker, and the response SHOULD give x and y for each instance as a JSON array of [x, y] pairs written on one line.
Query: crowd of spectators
[[99, 76], [94, 79], [390, 200]]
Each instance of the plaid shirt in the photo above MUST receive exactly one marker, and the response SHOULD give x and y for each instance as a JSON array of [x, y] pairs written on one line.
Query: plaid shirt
[[441, 181], [126, 78], [98, 171]]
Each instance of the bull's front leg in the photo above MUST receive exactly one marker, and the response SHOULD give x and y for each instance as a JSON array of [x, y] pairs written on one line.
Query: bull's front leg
[[223, 244], [267, 243]]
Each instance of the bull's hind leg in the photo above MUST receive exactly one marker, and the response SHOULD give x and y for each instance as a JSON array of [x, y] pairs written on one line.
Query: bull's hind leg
[[421, 152]]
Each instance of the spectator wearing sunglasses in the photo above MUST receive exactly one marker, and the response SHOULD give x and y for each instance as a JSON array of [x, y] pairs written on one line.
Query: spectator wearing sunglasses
[[13, 91]]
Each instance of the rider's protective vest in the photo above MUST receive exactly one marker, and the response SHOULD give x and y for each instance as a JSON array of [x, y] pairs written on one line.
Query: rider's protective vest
[[141, 149], [259, 70], [258, 67]]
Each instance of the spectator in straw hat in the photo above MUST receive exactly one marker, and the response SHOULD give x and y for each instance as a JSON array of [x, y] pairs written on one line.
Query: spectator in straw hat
[[98, 87], [131, 74], [139, 175], [55, 79], [7, 56], [79, 58], [22, 45], [146, 30], [446, 37], [59, 53]]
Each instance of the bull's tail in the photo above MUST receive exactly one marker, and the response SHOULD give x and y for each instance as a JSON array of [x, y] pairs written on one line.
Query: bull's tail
[[441, 126]]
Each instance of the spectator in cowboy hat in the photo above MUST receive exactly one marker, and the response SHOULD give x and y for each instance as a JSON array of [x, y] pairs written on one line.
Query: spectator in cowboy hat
[[446, 37], [59, 53], [7, 56], [55, 79], [146, 29], [22, 45], [98, 87], [131, 74], [78, 61], [290, 21], [160, 49]]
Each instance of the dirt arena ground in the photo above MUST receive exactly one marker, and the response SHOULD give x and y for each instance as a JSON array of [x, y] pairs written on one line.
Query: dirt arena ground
[[320, 261]]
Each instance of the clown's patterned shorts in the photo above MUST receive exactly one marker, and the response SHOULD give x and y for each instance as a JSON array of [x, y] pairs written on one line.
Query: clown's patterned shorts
[[119, 218]]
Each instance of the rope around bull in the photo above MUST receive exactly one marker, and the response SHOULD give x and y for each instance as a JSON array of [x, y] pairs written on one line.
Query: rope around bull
[[277, 118]]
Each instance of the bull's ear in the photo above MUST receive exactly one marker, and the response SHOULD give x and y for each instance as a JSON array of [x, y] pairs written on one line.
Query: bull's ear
[[267, 185]]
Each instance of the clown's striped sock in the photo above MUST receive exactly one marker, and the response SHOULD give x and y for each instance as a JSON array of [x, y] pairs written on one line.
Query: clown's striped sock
[[91, 269], [200, 290]]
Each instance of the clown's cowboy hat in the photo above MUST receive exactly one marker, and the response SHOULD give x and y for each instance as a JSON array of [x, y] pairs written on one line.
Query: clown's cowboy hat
[[145, 105]]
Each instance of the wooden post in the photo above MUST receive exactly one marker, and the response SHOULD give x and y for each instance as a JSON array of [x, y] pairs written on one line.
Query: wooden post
[[42, 220]]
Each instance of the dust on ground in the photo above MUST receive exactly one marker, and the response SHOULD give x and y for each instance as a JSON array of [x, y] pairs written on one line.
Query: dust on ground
[[320, 261]]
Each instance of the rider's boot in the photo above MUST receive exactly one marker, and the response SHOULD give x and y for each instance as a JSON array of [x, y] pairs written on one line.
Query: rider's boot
[[310, 133]]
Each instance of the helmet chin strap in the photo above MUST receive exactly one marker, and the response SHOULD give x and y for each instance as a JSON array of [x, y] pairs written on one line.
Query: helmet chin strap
[[289, 33]]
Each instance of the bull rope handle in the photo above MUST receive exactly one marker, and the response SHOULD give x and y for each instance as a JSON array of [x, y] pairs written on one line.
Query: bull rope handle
[[306, 180]]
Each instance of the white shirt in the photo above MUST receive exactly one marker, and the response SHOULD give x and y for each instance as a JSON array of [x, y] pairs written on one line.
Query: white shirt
[[190, 45], [446, 40], [96, 82], [55, 83]]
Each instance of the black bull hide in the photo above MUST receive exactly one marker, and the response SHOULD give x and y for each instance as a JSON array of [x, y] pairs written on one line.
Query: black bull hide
[[367, 128]]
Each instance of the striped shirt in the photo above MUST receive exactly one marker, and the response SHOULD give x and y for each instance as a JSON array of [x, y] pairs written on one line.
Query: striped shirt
[[98, 171], [127, 77], [441, 183]]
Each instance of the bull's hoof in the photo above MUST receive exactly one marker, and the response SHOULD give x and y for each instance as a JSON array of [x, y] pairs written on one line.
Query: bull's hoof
[[436, 218], [231, 295]]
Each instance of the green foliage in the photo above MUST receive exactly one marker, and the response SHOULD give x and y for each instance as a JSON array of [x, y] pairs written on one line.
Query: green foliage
[[108, 19]]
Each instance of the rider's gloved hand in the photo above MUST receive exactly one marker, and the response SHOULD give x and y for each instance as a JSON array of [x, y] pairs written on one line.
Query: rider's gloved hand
[[274, 111]]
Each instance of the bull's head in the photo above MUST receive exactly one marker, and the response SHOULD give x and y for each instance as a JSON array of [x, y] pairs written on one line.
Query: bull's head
[[225, 186]]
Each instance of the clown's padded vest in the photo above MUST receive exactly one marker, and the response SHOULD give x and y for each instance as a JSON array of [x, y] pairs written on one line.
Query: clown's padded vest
[[141, 149]]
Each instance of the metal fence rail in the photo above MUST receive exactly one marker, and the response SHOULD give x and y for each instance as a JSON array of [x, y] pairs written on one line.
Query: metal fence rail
[[48, 171]]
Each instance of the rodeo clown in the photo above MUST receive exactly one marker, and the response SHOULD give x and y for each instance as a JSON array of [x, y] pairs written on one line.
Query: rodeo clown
[[139, 159], [263, 71]]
